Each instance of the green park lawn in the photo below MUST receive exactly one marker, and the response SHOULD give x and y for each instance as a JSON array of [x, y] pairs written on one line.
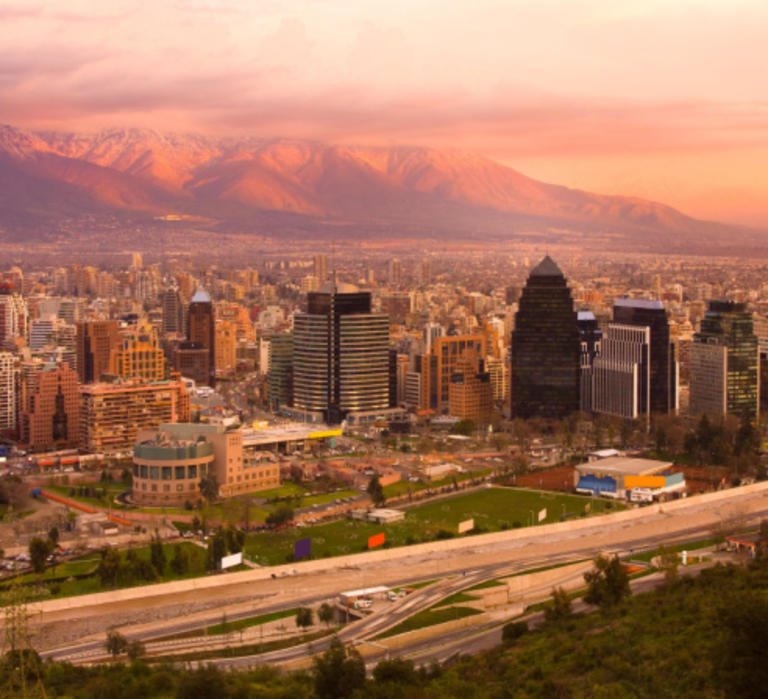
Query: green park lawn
[[493, 509]]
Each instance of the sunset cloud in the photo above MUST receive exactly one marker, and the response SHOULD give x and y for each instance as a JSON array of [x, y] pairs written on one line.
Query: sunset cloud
[[533, 83]]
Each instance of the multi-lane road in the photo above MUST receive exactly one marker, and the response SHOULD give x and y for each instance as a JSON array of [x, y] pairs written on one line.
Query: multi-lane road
[[481, 559]]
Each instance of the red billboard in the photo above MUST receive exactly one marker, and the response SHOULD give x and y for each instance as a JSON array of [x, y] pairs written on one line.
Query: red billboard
[[376, 540]]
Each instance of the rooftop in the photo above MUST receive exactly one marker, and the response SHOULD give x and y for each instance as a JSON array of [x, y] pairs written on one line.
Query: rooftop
[[201, 296], [546, 268], [625, 465], [638, 303]]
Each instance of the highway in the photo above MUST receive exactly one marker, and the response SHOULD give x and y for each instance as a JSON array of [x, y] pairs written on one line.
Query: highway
[[482, 562]]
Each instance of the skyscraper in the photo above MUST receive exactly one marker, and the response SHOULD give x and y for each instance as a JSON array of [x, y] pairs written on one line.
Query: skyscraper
[[96, 340], [280, 375], [320, 267], [201, 328], [662, 394], [545, 347], [8, 386], [340, 355], [724, 363], [590, 337], [13, 317], [173, 312]]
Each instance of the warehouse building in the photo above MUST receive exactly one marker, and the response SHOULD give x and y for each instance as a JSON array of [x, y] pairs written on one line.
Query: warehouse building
[[622, 477]]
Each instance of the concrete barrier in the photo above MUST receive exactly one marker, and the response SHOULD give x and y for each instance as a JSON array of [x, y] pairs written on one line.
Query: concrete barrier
[[405, 639], [520, 585], [476, 541]]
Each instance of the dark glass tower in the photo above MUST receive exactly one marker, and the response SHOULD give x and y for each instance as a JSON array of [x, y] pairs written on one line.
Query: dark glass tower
[[724, 362], [662, 392], [201, 329], [545, 347]]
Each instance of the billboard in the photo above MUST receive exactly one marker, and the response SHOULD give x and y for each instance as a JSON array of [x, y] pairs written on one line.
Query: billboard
[[233, 560], [376, 540], [302, 549], [466, 525]]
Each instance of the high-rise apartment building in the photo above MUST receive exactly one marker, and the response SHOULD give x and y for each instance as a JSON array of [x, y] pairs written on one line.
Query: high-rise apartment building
[[201, 329], [280, 375], [438, 366], [49, 407], [340, 355], [96, 340], [13, 317], [112, 414], [394, 273], [545, 347], [396, 304], [225, 347], [320, 267], [139, 355], [173, 311], [470, 394], [724, 363], [8, 388]]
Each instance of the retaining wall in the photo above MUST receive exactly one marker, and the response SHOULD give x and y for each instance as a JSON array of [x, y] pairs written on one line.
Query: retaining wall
[[542, 531]]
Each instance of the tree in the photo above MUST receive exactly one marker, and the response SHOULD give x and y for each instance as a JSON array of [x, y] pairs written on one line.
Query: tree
[[376, 491], [463, 427], [180, 561], [608, 583], [110, 568], [39, 550], [512, 631], [281, 515], [53, 537], [116, 643], [304, 617], [338, 672], [561, 606], [217, 549], [396, 671], [157, 555], [209, 487], [135, 649], [326, 613], [668, 562]]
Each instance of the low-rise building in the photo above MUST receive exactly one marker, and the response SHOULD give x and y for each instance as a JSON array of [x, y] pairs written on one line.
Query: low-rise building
[[639, 480]]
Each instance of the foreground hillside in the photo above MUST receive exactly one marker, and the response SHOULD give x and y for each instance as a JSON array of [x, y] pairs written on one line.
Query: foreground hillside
[[703, 637]]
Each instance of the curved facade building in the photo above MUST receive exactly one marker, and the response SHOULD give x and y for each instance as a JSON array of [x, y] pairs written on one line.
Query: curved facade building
[[340, 356], [168, 471]]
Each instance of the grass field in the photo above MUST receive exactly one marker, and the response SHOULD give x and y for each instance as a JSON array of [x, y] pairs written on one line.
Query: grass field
[[493, 509], [429, 617]]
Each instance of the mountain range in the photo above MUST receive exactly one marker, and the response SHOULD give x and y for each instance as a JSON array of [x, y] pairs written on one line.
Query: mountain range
[[226, 183]]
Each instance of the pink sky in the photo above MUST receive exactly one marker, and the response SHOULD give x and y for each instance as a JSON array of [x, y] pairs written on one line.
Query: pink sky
[[663, 99]]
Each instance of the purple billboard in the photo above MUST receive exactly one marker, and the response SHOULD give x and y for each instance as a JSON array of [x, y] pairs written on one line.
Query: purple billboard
[[302, 549]]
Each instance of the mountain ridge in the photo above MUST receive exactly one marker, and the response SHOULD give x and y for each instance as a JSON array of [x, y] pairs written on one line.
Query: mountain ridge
[[149, 173]]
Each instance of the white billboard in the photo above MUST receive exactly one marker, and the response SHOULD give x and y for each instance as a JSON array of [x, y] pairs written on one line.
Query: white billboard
[[466, 525], [234, 559]]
